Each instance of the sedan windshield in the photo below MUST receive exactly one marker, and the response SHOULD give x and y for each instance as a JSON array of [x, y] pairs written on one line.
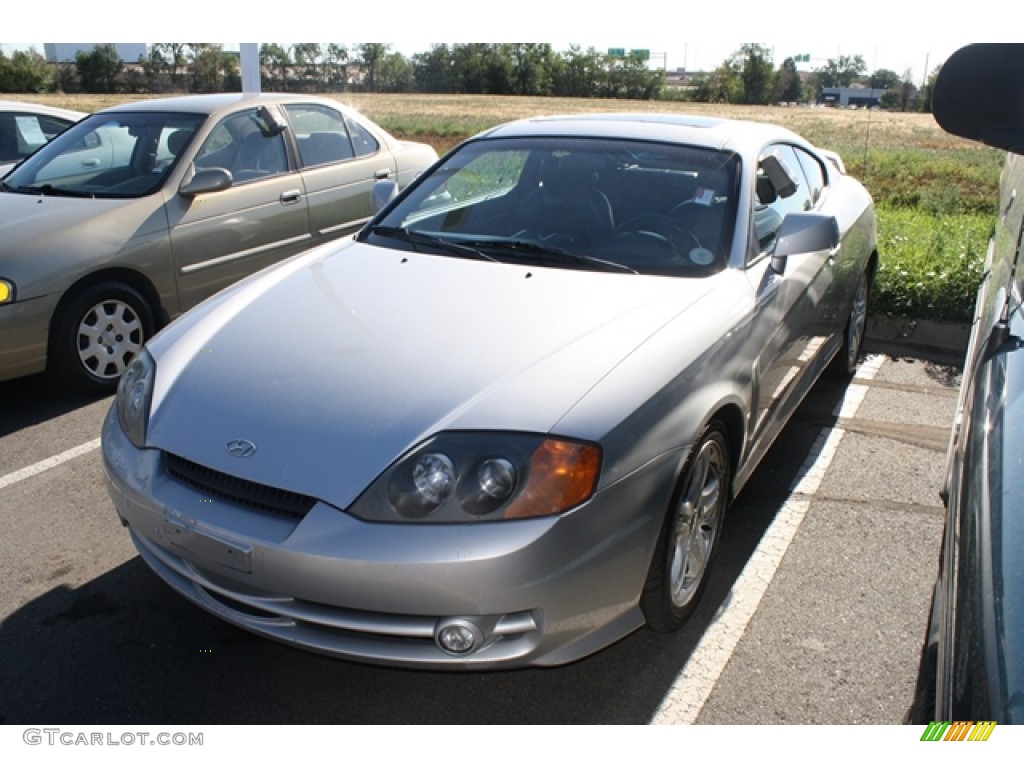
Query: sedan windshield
[[575, 203], [107, 155]]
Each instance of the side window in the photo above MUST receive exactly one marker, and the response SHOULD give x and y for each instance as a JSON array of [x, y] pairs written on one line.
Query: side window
[[21, 135], [364, 142], [243, 145], [320, 134], [814, 173], [781, 189]]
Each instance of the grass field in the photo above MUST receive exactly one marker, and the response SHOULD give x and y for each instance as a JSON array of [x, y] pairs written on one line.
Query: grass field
[[935, 193]]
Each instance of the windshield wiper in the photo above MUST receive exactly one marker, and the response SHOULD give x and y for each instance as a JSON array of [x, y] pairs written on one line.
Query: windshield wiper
[[417, 237], [49, 189], [533, 248]]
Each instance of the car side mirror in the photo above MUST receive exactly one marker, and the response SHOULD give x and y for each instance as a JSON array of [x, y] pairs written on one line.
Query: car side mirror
[[803, 233], [206, 180], [384, 192]]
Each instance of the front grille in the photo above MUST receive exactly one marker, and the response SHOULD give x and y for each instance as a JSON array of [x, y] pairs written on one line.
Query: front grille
[[239, 491]]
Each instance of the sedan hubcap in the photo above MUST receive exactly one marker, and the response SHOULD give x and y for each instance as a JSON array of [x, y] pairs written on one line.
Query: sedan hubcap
[[109, 337], [697, 522]]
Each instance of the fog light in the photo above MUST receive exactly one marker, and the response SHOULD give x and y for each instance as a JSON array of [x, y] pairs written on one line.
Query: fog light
[[458, 636]]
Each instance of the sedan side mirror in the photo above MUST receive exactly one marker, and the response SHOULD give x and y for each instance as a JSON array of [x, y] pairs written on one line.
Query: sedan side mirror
[[804, 233], [206, 180], [384, 192]]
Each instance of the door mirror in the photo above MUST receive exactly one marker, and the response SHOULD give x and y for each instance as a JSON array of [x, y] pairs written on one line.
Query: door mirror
[[206, 180], [384, 192], [804, 233]]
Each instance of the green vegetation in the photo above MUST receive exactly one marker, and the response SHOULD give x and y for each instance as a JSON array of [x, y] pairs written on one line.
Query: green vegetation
[[931, 263]]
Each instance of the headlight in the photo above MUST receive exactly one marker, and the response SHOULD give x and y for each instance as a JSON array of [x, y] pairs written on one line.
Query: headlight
[[469, 476], [134, 393], [6, 292]]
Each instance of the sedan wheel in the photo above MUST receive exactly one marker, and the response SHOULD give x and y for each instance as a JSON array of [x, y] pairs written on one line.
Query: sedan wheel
[[689, 539], [99, 335]]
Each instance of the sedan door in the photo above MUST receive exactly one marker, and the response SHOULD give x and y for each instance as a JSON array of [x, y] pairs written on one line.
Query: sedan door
[[341, 159], [219, 237]]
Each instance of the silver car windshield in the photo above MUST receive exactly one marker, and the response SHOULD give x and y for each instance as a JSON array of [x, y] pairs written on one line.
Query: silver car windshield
[[634, 206], [107, 155]]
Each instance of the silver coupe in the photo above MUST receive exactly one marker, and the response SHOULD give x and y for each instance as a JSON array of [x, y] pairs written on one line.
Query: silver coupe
[[501, 426]]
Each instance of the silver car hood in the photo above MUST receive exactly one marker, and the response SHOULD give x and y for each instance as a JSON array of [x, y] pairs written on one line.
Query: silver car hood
[[337, 362]]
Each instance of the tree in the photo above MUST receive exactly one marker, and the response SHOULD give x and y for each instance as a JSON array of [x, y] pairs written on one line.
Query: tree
[[175, 59], [99, 69], [395, 74], [275, 59], [577, 72], [842, 72], [212, 69], [883, 79], [723, 86], [532, 68], [788, 87], [307, 56], [25, 72], [335, 66], [433, 70], [370, 55], [754, 63]]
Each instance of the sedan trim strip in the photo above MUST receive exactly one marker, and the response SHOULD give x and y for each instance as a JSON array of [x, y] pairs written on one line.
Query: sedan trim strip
[[346, 225], [200, 266]]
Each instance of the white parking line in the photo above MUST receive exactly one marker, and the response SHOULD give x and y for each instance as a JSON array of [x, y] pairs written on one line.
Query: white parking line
[[50, 463], [690, 690]]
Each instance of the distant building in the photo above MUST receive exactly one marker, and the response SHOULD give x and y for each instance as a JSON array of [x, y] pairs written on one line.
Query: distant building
[[851, 97], [59, 53]]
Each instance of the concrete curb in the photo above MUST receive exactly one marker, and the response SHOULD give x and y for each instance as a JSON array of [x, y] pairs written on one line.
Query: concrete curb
[[927, 337]]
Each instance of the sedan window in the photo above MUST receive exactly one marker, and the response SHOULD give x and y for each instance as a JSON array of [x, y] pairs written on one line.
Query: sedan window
[[244, 145], [320, 134], [23, 134], [123, 154]]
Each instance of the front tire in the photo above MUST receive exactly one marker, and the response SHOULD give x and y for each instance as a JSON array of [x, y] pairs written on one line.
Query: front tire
[[844, 365], [689, 538], [98, 335]]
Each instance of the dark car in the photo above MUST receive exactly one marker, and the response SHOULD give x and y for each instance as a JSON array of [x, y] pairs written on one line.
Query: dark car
[[973, 665]]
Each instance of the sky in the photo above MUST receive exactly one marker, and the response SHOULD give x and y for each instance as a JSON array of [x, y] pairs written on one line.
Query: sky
[[679, 33]]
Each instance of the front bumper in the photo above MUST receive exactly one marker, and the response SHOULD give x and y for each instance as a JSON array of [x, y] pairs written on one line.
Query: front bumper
[[540, 592], [24, 330]]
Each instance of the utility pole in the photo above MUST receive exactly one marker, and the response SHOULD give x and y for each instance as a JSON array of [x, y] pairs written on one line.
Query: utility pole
[[249, 53]]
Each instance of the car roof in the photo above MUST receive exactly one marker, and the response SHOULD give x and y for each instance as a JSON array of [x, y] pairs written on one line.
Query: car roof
[[40, 109], [713, 132], [212, 103]]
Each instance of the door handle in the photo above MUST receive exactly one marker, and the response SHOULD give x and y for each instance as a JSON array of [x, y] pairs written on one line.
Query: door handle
[[92, 162], [291, 196], [383, 173]]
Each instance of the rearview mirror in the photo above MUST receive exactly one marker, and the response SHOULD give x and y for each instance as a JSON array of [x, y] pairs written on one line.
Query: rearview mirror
[[206, 180], [804, 233], [979, 94], [384, 192]]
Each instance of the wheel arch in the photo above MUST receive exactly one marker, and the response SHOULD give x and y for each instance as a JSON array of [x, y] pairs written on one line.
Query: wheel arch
[[129, 277], [731, 417]]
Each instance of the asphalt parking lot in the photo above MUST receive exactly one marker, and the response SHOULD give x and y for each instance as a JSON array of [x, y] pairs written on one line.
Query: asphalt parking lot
[[816, 612]]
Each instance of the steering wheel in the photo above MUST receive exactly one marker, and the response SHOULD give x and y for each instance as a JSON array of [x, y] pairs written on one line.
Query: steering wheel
[[661, 226]]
